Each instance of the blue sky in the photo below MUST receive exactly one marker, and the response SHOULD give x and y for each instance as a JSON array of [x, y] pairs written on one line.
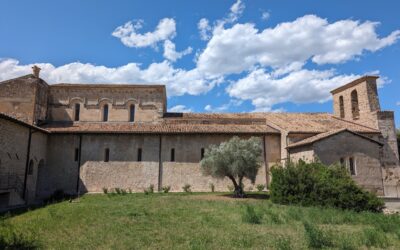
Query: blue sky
[[213, 56]]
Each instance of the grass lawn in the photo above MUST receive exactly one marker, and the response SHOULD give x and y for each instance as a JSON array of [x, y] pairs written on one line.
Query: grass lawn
[[194, 221]]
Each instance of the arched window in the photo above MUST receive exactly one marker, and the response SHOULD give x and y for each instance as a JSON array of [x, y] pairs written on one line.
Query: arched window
[[105, 113], [77, 111], [354, 105], [30, 167], [132, 113], [341, 106]]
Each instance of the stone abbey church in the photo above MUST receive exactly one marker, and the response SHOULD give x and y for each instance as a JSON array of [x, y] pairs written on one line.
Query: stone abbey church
[[82, 137]]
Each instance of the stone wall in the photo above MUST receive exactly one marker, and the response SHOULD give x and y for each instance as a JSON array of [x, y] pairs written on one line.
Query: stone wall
[[13, 154], [149, 102]]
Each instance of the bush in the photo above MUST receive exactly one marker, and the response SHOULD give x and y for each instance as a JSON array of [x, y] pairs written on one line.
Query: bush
[[250, 215], [118, 190], [260, 187], [314, 183], [166, 189], [186, 188], [130, 190], [123, 191], [149, 190], [105, 190], [212, 186], [317, 238]]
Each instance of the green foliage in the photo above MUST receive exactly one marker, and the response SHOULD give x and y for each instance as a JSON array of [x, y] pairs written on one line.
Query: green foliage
[[123, 191], [130, 190], [212, 187], [316, 238], [250, 215], [166, 189], [282, 243], [375, 238], [186, 188], [10, 238], [118, 190], [235, 159], [149, 190], [313, 183], [260, 187], [105, 190]]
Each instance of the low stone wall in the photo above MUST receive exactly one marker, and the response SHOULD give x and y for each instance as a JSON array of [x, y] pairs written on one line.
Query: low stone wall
[[177, 175], [127, 175]]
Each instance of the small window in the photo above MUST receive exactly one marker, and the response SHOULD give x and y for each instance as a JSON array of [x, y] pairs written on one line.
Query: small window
[[354, 105], [76, 156], [30, 167], [341, 106], [352, 166], [172, 154], [105, 113], [139, 154], [106, 155], [77, 111], [132, 113], [202, 153]]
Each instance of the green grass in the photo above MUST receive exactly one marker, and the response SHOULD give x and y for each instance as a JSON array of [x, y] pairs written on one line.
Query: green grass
[[194, 221]]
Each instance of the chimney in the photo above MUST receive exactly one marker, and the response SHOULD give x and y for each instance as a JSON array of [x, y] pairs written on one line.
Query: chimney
[[36, 71]]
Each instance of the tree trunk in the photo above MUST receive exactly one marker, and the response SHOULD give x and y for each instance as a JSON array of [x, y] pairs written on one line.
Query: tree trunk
[[238, 192]]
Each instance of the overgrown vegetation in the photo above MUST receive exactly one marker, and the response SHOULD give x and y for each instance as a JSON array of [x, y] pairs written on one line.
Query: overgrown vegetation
[[149, 190], [235, 159], [186, 188], [198, 221], [314, 184], [166, 189]]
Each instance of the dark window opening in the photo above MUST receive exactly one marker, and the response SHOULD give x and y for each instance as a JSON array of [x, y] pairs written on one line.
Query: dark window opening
[[132, 113], [342, 162], [352, 166], [341, 105], [30, 167], [354, 105], [105, 113], [139, 154], [202, 153], [106, 155], [77, 111], [76, 156], [172, 154]]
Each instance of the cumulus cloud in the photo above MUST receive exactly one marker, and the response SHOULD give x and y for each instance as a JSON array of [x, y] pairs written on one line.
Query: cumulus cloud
[[236, 11], [243, 46], [180, 109], [223, 107], [170, 52], [175, 79], [302, 86], [129, 36], [204, 29]]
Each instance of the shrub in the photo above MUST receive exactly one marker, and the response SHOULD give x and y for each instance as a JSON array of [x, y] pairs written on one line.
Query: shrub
[[317, 238], [123, 191], [212, 186], [149, 190], [59, 195], [250, 215], [10, 238], [130, 190], [260, 187], [186, 188], [314, 183], [105, 190], [118, 190], [166, 189]]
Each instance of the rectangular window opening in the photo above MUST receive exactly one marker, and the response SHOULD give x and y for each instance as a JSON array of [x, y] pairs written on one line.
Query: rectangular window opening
[[172, 154], [352, 166], [202, 153], [106, 155], [139, 154], [76, 155]]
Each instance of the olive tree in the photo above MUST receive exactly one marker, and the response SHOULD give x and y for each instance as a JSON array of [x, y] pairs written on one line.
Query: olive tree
[[235, 159]]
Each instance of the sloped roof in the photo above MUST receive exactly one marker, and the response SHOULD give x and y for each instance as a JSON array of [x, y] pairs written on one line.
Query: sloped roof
[[315, 138], [21, 122], [158, 128]]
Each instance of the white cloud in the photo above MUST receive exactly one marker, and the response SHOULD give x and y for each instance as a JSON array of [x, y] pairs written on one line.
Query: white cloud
[[223, 107], [243, 46], [398, 103], [128, 35], [180, 109], [175, 79], [204, 29], [236, 11], [170, 52], [265, 15], [302, 86]]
